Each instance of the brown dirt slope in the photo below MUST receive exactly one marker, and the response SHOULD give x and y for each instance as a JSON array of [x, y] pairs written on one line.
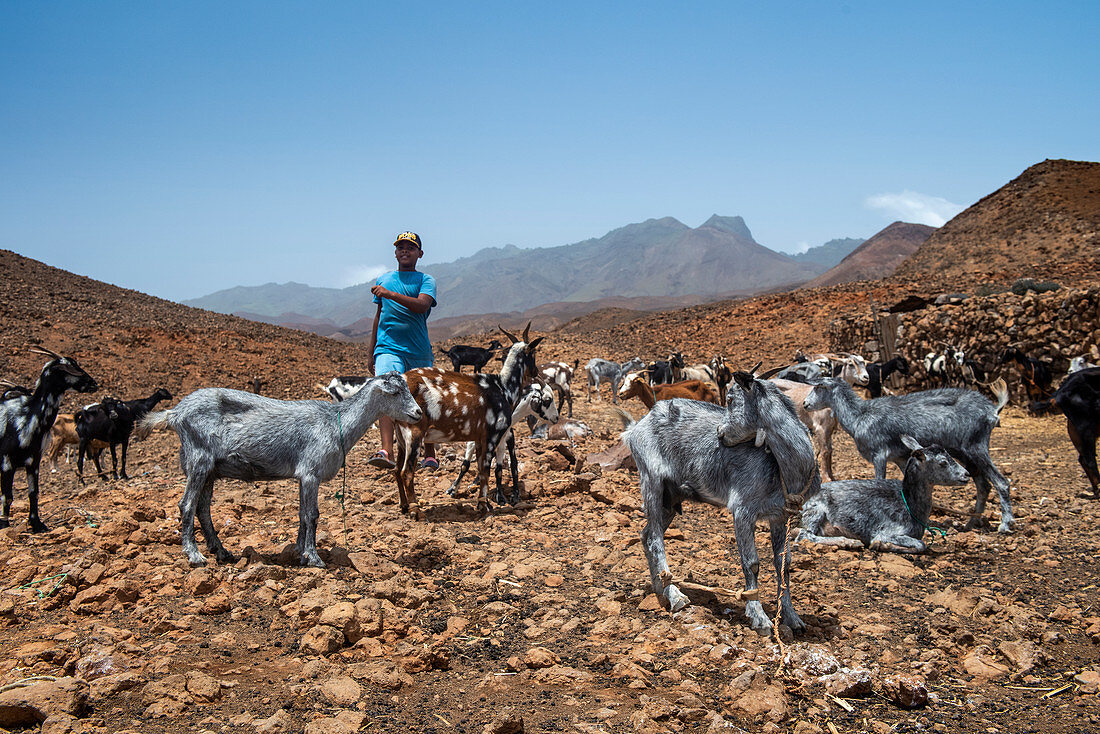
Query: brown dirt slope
[[1049, 213], [878, 257], [132, 343]]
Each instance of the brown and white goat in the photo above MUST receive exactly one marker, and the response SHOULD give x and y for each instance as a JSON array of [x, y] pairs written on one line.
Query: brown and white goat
[[559, 376], [461, 407], [636, 386]]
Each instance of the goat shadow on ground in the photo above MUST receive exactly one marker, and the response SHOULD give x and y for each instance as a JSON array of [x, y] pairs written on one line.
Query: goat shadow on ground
[[818, 627], [465, 510]]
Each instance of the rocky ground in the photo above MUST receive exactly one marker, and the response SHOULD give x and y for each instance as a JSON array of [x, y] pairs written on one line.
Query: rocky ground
[[539, 617]]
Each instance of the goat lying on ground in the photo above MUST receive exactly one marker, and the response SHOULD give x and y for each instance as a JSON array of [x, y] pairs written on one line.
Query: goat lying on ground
[[878, 373], [636, 386], [1078, 398], [25, 420], [478, 357], [687, 450], [882, 514], [536, 401], [959, 420], [822, 424], [457, 407], [559, 376], [612, 372], [240, 435]]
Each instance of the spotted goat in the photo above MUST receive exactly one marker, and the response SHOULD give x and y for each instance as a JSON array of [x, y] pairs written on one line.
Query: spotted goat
[[463, 407], [535, 402], [25, 420]]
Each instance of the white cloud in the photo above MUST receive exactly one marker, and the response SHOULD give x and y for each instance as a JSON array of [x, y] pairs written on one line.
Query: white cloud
[[909, 206], [357, 274], [800, 248]]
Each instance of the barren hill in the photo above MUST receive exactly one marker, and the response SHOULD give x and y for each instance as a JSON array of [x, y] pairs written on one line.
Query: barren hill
[[878, 257], [1048, 216], [131, 342]]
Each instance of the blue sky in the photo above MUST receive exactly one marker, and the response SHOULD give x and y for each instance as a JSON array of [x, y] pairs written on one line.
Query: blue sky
[[180, 148]]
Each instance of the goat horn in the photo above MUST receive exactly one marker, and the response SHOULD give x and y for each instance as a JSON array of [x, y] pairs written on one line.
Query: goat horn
[[43, 350], [508, 334], [525, 330], [755, 368], [5, 383], [770, 372]]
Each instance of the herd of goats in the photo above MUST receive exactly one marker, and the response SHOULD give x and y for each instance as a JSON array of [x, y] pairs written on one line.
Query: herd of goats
[[759, 445]]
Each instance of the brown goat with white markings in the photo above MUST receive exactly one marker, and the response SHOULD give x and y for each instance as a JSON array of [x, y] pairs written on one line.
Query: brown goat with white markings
[[458, 407], [636, 386]]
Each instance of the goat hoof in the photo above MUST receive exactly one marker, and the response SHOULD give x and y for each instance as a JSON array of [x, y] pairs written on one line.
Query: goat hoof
[[404, 509], [1006, 527], [225, 557], [675, 599], [197, 560], [4, 523], [37, 526], [313, 561]]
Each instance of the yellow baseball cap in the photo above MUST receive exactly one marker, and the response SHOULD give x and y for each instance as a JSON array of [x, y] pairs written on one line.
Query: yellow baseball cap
[[412, 237]]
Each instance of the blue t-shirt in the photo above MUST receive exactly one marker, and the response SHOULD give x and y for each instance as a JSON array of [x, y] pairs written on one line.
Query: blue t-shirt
[[400, 331]]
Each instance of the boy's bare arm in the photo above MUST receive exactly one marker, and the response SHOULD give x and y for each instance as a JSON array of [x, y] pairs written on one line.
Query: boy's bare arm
[[420, 304], [373, 339]]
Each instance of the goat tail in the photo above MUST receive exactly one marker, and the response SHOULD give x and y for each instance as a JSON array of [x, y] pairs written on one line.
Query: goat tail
[[1000, 390], [151, 422], [626, 419]]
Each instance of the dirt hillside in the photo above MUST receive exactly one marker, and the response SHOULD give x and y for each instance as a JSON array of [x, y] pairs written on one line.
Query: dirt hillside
[[1048, 215]]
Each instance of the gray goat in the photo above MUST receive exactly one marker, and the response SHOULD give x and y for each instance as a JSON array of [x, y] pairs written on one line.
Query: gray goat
[[689, 450], [240, 435], [882, 514], [959, 420], [613, 372]]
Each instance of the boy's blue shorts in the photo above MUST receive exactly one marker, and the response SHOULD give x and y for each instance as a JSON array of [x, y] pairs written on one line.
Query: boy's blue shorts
[[384, 363]]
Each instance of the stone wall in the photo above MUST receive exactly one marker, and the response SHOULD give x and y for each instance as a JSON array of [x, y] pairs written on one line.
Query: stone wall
[[1054, 326]]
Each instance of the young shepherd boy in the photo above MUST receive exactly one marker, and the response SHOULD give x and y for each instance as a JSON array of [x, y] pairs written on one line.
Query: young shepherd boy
[[399, 337]]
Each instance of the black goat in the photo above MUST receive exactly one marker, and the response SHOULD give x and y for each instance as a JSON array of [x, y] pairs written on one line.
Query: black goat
[[111, 422], [25, 421], [1078, 398], [1035, 373], [478, 357], [665, 371], [877, 373], [108, 421]]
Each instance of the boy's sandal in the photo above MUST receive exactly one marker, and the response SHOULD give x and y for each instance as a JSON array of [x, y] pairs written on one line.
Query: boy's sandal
[[381, 460], [430, 463]]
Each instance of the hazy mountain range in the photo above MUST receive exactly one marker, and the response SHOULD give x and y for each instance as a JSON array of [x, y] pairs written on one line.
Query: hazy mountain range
[[657, 257]]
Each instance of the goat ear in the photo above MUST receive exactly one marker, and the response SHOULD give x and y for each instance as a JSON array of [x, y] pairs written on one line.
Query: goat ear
[[911, 443], [744, 379]]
